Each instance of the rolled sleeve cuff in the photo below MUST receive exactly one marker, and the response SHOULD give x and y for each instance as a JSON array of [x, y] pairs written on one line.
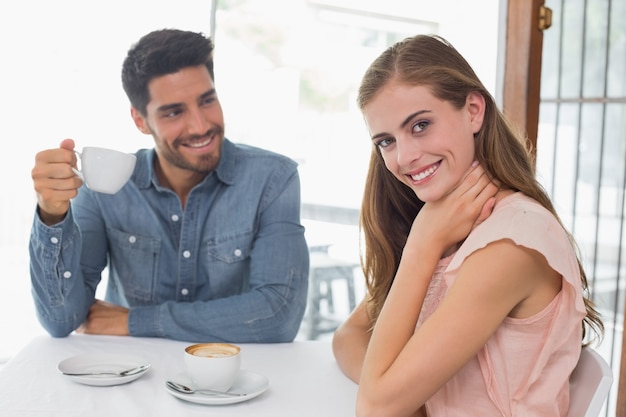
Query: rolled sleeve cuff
[[144, 322]]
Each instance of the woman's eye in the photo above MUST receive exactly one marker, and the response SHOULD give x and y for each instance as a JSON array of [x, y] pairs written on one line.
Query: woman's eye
[[383, 143], [420, 126]]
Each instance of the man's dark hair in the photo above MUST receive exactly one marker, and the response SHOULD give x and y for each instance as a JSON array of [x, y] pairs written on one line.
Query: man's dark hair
[[159, 53]]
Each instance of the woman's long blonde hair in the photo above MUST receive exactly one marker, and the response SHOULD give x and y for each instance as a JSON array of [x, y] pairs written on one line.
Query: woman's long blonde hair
[[389, 206]]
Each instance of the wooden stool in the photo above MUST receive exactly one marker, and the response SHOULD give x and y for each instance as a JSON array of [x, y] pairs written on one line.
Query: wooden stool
[[323, 270]]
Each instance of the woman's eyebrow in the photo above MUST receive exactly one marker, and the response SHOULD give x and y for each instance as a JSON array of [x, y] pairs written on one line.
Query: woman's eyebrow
[[403, 124], [411, 116], [379, 135]]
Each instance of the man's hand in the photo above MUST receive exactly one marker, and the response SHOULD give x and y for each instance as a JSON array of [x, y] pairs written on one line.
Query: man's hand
[[55, 182], [105, 318]]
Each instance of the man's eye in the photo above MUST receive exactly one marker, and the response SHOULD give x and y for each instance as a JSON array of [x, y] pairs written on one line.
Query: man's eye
[[170, 114], [208, 100]]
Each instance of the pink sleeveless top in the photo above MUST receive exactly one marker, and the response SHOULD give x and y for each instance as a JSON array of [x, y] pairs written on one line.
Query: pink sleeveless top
[[524, 368]]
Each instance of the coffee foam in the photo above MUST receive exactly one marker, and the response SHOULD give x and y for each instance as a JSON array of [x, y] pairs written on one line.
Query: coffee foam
[[213, 350]]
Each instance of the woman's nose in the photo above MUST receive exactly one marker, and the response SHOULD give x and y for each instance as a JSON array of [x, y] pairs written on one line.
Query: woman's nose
[[408, 150]]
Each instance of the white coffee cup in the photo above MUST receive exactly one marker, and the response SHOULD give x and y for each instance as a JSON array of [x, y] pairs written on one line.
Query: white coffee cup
[[213, 366], [105, 170]]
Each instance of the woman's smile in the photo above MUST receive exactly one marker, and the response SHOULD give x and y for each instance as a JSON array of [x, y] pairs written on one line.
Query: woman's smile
[[425, 173]]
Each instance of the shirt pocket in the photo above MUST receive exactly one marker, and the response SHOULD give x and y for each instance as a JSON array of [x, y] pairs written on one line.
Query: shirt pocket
[[134, 260], [227, 264]]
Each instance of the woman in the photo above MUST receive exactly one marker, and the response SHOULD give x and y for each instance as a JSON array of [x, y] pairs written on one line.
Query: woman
[[475, 303]]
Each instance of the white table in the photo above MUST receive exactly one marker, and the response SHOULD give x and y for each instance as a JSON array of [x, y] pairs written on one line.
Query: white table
[[304, 381]]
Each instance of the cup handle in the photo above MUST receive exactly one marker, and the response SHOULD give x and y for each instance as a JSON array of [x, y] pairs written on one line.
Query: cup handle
[[76, 171]]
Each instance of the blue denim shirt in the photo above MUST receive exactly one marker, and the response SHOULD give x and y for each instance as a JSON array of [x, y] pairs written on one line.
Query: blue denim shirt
[[232, 265]]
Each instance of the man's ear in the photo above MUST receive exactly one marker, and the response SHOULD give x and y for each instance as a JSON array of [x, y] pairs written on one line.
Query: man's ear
[[140, 121], [476, 107]]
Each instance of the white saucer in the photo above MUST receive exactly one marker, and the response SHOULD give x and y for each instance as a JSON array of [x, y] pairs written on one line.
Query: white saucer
[[101, 362], [250, 383]]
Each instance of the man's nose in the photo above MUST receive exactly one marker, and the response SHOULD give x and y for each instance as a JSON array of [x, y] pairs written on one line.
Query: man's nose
[[197, 123]]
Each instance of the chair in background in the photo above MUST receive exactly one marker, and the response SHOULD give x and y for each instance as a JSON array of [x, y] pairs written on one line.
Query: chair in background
[[323, 271], [590, 383]]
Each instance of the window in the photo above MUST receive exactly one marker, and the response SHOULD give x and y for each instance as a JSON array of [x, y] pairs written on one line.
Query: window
[[581, 146], [299, 63]]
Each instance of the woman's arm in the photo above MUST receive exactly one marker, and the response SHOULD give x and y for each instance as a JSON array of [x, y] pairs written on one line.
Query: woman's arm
[[400, 373], [386, 386], [350, 342]]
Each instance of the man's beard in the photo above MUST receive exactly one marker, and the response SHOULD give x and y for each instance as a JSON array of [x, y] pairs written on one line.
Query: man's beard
[[207, 162]]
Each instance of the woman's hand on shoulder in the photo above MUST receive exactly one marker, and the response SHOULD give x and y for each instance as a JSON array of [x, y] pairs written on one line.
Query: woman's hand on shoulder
[[443, 223]]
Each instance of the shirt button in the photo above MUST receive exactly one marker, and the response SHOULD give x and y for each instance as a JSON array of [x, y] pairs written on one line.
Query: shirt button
[[186, 254], [184, 291], [67, 274], [174, 217], [132, 239], [54, 240], [237, 252]]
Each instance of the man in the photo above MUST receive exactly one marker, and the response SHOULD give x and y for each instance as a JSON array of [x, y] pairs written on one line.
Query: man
[[204, 243]]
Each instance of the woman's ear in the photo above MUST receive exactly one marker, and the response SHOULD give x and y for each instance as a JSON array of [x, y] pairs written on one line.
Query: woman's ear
[[140, 121], [476, 106]]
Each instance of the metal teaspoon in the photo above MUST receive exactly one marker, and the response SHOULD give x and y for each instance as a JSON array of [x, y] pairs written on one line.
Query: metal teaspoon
[[127, 372], [184, 389]]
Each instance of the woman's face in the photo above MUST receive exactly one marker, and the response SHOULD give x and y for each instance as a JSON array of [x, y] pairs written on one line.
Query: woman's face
[[425, 142]]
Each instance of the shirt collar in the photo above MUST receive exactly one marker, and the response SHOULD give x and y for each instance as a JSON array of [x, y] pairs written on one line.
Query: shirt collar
[[144, 174]]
